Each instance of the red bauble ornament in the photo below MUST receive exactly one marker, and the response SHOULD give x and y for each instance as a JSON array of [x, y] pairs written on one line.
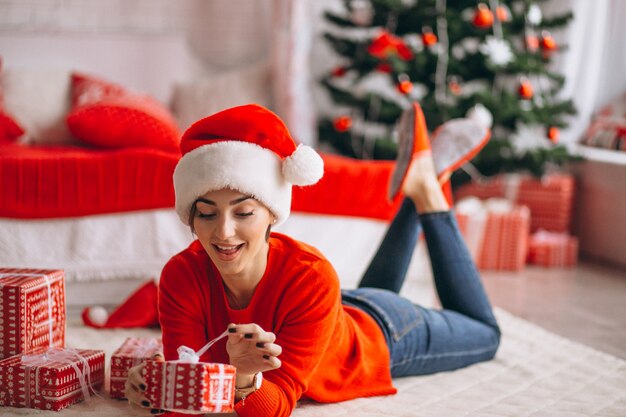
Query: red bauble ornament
[[339, 71], [483, 18], [386, 45], [553, 134], [342, 123], [428, 37], [384, 67], [405, 87], [525, 90], [455, 87]]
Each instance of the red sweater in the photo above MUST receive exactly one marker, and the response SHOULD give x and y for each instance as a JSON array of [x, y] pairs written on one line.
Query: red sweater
[[330, 352]]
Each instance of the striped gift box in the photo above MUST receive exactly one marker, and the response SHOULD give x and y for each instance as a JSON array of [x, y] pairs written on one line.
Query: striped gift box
[[190, 387], [32, 310], [550, 198], [133, 351], [496, 232], [552, 249]]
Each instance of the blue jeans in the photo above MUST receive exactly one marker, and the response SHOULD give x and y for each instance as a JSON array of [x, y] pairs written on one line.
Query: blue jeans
[[423, 341]]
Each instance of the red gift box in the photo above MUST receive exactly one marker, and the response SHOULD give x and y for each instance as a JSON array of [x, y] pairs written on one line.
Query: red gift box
[[550, 199], [133, 351], [553, 249], [495, 231], [51, 379], [32, 310], [182, 386]]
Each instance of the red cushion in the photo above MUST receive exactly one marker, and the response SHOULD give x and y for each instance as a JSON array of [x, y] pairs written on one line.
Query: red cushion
[[106, 115], [9, 128]]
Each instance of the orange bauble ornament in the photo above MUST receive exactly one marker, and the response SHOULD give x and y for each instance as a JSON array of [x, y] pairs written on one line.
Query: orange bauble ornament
[[342, 123], [428, 37], [405, 87], [532, 42], [553, 134], [547, 42], [502, 13], [525, 90], [483, 18]]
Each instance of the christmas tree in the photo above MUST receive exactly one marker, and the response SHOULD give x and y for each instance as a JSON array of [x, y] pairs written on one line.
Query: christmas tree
[[463, 58]]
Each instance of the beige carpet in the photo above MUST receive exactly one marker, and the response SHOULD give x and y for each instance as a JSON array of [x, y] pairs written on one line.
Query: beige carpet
[[535, 373]]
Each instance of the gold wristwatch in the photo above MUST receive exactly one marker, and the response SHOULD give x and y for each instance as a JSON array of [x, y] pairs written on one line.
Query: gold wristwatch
[[243, 392]]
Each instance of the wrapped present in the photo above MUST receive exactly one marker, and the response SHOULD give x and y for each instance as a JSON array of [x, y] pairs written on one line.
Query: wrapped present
[[184, 386], [550, 199], [495, 231], [32, 310], [50, 379], [552, 249], [133, 351]]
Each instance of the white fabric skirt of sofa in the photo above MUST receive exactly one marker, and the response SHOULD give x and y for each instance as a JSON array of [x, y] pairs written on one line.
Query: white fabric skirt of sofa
[[105, 257]]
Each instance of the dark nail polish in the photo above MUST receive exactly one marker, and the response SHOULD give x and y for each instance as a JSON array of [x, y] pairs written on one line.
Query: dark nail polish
[[232, 330], [156, 411], [142, 387], [260, 345], [266, 357], [248, 335], [145, 403]]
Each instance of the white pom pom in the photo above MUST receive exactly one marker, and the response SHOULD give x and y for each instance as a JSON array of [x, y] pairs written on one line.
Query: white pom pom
[[480, 115], [303, 167], [98, 315]]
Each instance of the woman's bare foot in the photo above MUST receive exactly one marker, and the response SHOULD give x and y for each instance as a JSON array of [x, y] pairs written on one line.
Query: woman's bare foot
[[423, 187]]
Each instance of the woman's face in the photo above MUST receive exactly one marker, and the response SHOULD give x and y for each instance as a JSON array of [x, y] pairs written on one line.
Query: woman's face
[[232, 228]]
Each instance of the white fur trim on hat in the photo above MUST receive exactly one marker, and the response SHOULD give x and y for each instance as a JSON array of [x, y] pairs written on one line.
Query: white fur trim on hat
[[241, 166]]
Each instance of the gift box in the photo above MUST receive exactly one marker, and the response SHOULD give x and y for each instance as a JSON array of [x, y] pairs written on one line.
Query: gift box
[[495, 231], [50, 379], [32, 310], [550, 199], [133, 351], [182, 386], [552, 249]]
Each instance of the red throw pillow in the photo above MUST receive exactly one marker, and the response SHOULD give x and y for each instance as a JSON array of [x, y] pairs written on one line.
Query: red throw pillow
[[107, 115], [9, 128]]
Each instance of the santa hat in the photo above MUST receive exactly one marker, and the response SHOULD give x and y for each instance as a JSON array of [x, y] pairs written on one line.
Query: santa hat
[[247, 149]]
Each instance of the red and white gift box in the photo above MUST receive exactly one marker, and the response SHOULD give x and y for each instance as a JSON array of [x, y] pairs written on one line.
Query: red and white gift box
[[495, 231], [552, 249], [133, 351], [32, 310], [50, 379], [550, 198], [182, 386]]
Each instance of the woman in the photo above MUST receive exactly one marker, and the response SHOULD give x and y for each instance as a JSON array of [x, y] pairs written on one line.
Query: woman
[[292, 332]]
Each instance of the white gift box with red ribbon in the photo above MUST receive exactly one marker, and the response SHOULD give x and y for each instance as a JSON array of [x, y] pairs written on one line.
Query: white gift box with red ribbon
[[552, 249], [495, 231], [32, 310]]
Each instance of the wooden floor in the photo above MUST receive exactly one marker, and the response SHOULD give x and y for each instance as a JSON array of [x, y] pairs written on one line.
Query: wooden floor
[[586, 304]]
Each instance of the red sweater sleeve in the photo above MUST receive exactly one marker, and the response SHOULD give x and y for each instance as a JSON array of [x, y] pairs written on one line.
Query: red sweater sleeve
[[180, 309], [310, 310]]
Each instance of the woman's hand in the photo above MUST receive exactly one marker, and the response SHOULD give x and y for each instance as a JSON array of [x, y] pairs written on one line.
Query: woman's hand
[[251, 350], [136, 386]]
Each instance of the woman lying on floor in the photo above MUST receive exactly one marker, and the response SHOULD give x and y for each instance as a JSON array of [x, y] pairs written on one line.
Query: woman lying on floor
[[292, 333]]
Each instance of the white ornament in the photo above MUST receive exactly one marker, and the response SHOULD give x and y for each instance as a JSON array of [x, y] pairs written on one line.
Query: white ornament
[[458, 52], [534, 14], [362, 13], [528, 137], [481, 115], [497, 51]]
